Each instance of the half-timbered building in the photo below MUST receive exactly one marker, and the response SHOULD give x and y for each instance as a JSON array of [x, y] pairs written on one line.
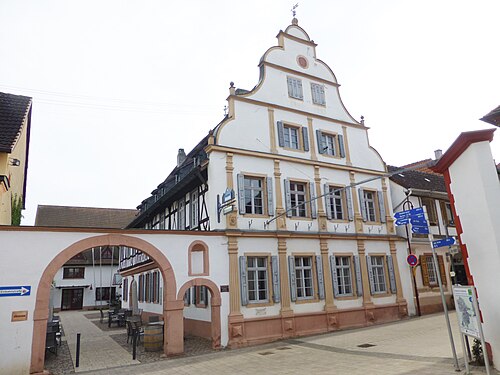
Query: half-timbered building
[[289, 177]]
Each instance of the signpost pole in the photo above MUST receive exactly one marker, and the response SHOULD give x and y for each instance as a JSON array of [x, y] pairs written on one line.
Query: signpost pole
[[443, 299], [481, 334], [466, 357]]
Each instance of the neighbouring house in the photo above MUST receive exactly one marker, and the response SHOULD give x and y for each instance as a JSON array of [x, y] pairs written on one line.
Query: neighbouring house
[[416, 188], [290, 179], [493, 117], [89, 280], [473, 186], [15, 124]]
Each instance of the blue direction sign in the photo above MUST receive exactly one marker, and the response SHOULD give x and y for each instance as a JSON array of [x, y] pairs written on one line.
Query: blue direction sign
[[409, 213], [420, 222], [444, 242], [15, 291], [402, 221], [420, 229]]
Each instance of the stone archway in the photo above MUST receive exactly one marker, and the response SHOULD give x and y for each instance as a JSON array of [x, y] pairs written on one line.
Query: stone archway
[[215, 303], [172, 308]]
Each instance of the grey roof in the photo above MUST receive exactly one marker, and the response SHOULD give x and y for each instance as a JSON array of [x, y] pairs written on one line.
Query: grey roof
[[13, 111], [418, 180], [83, 217], [492, 117]]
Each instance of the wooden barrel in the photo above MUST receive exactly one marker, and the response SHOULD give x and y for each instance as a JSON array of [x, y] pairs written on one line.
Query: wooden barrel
[[153, 338]]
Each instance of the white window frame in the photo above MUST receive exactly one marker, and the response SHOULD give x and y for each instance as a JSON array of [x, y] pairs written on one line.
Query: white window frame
[[343, 264], [289, 133], [370, 198], [336, 198], [181, 215], [254, 273], [194, 210], [303, 273], [379, 277], [330, 140], [250, 197], [295, 88], [298, 197]]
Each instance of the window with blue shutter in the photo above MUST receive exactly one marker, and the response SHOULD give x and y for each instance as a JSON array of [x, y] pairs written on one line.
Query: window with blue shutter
[[362, 206], [340, 138], [243, 281], [350, 210], [328, 197], [381, 206], [241, 193], [335, 281], [305, 138], [288, 199], [276, 279], [321, 144], [293, 283], [295, 88], [359, 280], [314, 211], [281, 136], [392, 277], [319, 272], [270, 200], [370, 273]]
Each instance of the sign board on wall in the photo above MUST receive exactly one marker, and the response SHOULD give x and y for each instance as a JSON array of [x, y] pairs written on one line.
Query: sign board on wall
[[18, 316]]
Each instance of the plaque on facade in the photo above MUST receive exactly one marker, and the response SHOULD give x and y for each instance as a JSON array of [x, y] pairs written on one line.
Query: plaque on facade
[[18, 316], [224, 288]]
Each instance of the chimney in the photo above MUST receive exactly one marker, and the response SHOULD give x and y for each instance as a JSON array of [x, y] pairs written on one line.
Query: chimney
[[438, 154], [181, 156]]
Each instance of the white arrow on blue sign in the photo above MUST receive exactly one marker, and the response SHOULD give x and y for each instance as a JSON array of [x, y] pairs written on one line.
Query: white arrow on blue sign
[[420, 230], [444, 242], [409, 213], [15, 291]]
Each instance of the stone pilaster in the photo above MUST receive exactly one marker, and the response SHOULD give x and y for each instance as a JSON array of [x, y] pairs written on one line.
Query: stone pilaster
[[322, 219], [281, 221]]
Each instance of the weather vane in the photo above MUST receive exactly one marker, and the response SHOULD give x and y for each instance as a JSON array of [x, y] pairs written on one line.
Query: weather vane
[[294, 12]]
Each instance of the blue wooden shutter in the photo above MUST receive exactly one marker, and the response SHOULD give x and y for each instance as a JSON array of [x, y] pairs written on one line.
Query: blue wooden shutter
[[381, 206], [341, 145], [392, 277], [348, 197], [276, 279], [305, 138], [359, 280], [270, 200], [243, 280], [321, 145], [293, 281], [362, 206], [327, 202], [370, 273], [299, 88], [314, 211], [335, 281], [288, 198], [321, 280], [281, 137], [241, 193], [193, 295]]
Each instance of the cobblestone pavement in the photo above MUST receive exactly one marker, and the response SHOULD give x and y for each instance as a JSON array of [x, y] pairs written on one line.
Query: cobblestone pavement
[[416, 346]]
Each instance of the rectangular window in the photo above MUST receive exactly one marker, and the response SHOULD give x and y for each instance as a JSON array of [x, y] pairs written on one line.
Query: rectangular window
[[291, 137], [140, 293], [298, 191], [254, 195], [304, 277], [74, 272], [344, 275], [379, 281], [336, 203], [318, 94], [295, 88], [257, 279], [370, 200], [328, 142], [447, 213], [431, 270], [194, 209], [430, 205], [201, 296], [181, 215], [104, 294]]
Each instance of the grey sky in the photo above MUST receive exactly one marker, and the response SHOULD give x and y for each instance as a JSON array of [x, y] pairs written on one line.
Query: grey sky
[[119, 86]]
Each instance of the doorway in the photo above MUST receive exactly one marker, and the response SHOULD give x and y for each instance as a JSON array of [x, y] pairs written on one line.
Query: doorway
[[72, 299]]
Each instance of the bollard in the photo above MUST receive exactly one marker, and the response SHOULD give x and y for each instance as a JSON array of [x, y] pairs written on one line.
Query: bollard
[[134, 345], [77, 362]]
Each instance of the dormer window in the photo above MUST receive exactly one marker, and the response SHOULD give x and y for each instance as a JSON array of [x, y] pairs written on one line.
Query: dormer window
[[295, 88]]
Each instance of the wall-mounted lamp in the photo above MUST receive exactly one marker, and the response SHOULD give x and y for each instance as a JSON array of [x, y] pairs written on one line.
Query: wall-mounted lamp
[[14, 162]]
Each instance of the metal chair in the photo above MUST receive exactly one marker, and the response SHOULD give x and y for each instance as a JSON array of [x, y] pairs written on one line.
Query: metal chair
[[51, 342]]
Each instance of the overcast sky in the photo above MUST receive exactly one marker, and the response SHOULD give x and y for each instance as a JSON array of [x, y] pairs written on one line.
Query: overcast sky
[[119, 86]]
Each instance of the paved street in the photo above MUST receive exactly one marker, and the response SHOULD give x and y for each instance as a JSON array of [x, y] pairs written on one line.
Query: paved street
[[415, 346]]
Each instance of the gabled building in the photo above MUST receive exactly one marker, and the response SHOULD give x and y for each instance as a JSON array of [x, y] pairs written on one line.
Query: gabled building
[[15, 123], [289, 177], [416, 188]]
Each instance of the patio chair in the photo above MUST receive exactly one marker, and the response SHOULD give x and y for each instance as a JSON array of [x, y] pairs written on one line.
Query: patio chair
[[102, 316], [51, 343]]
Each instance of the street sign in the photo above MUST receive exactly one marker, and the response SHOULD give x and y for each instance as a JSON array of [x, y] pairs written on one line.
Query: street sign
[[419, 230], [409, 213], [15, 291], [412, 260], [421, 222], [404, 221], [228, 195], [444, 242]]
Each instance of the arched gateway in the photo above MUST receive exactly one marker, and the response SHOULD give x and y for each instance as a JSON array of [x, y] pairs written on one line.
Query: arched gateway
[[172, 307]]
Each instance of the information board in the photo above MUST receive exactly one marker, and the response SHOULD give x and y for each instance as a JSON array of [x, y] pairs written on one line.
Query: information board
[[467, 310]]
